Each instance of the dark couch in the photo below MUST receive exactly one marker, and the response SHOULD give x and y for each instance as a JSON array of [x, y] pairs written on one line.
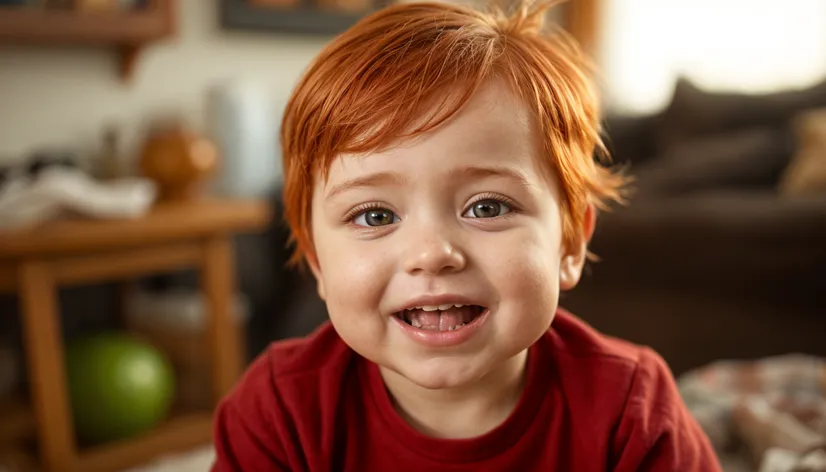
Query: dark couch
[[706, 262]]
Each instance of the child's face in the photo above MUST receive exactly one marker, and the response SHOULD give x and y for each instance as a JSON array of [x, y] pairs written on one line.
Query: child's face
[[463, 215]]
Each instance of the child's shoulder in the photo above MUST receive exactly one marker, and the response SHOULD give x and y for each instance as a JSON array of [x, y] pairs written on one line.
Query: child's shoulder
[[290, 366], [316, 354], [628, 392], [321, 350], [575, 338], [611, 374]]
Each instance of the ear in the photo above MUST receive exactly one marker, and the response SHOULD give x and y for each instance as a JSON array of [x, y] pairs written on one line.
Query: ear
[[312, 261], [570, 267]]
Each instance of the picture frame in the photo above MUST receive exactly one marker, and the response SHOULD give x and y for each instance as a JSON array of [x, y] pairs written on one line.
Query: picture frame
[[321, 17], [310, 17]]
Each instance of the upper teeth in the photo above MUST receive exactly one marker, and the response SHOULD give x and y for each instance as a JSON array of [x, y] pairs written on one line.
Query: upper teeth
[[437, 307]]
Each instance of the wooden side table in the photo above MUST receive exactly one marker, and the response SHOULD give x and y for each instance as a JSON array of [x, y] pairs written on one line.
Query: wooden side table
[[35, 262]]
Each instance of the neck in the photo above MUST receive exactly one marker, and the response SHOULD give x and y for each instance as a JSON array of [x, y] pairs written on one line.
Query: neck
[[460, 412]]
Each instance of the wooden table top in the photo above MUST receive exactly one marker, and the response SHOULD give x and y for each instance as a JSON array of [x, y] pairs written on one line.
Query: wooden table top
[[165, 222]]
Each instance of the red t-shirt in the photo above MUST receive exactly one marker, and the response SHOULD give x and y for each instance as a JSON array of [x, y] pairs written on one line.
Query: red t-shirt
[[591, 403]]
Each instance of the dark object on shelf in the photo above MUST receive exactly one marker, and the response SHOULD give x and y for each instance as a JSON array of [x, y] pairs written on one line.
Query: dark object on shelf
[[41, 161], [305, 17], [14, 3], [59, 4], [125, 31]]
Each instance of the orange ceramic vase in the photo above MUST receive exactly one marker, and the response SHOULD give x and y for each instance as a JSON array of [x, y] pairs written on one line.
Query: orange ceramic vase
[[179, 161]]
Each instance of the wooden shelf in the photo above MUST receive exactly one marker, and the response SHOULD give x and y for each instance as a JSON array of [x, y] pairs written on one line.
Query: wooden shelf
[[66, 27], [126, 32], [166, 221], [179, 433], [176, 435], [176, 233]]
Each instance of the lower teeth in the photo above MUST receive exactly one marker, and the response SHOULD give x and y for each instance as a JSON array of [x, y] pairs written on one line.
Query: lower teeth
[[434, 328], [417, 324]]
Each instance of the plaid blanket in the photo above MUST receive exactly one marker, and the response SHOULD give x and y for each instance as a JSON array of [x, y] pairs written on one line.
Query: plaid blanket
[[773, 410]]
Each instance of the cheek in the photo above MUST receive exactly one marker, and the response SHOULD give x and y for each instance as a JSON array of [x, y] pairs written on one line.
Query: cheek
[[349, 282], [531, 272], [355, 284], [527, 274], [350, 270], [353, 279]]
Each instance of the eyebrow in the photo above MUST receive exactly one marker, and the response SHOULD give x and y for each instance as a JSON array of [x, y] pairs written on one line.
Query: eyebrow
[[393, 178], [373, 180], [492, 171]]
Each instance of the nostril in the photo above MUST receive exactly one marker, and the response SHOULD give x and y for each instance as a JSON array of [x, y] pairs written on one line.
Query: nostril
[[436, 259]]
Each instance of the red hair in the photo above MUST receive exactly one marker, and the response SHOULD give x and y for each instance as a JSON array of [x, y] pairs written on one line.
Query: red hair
[[371, 86]]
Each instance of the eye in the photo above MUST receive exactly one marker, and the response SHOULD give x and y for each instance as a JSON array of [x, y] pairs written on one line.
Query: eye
[[376, 217], [488, 208]]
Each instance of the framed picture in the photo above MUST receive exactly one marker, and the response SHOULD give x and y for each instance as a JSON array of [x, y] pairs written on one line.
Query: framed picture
[[314, 17], [331, 17]]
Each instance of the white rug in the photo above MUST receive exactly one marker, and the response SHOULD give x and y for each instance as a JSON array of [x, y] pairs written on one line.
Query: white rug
[[198, 460]]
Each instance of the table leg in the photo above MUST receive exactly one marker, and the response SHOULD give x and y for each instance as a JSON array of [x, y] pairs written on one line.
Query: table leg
[[47, 374], [223, 332], [125, 290]]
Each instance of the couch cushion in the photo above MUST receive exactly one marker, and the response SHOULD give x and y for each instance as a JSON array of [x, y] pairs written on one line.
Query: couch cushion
[[695, 112], [746, 159], [751, 242], [630, 139]]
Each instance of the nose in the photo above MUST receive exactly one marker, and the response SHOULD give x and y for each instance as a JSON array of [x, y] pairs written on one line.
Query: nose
[[433, 255]]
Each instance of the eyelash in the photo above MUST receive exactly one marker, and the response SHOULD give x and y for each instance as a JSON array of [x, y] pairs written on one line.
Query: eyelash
[[358, 210], [352, 214], [496, 198]]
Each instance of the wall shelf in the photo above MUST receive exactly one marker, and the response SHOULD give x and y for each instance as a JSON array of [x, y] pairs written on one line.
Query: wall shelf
[[125, 32]]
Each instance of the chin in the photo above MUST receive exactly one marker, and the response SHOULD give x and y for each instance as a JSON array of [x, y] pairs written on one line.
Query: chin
[[439, 374]]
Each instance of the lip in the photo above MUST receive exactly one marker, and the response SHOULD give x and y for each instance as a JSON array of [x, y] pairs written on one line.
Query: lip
[[442, 338]]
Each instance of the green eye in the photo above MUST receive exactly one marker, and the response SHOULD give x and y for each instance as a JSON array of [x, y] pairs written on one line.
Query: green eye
[[376, 217], [487, 209]]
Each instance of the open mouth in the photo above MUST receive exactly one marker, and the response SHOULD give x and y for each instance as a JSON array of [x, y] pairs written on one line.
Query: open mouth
[[448, 317]]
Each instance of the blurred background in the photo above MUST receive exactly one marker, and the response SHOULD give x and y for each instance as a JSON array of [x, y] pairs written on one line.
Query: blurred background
[[120, 118]]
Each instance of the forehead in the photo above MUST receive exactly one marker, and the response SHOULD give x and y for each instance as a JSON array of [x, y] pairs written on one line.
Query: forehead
[[494, 128]]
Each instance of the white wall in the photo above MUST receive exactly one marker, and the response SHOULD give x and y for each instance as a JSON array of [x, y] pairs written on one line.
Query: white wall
[[746, 45], [64, 97]]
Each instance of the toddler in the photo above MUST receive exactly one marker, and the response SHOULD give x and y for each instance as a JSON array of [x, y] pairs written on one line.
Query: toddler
[[441, 184]]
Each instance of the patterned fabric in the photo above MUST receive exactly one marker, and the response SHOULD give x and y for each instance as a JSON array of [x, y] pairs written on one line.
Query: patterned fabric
[[773, 410]]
